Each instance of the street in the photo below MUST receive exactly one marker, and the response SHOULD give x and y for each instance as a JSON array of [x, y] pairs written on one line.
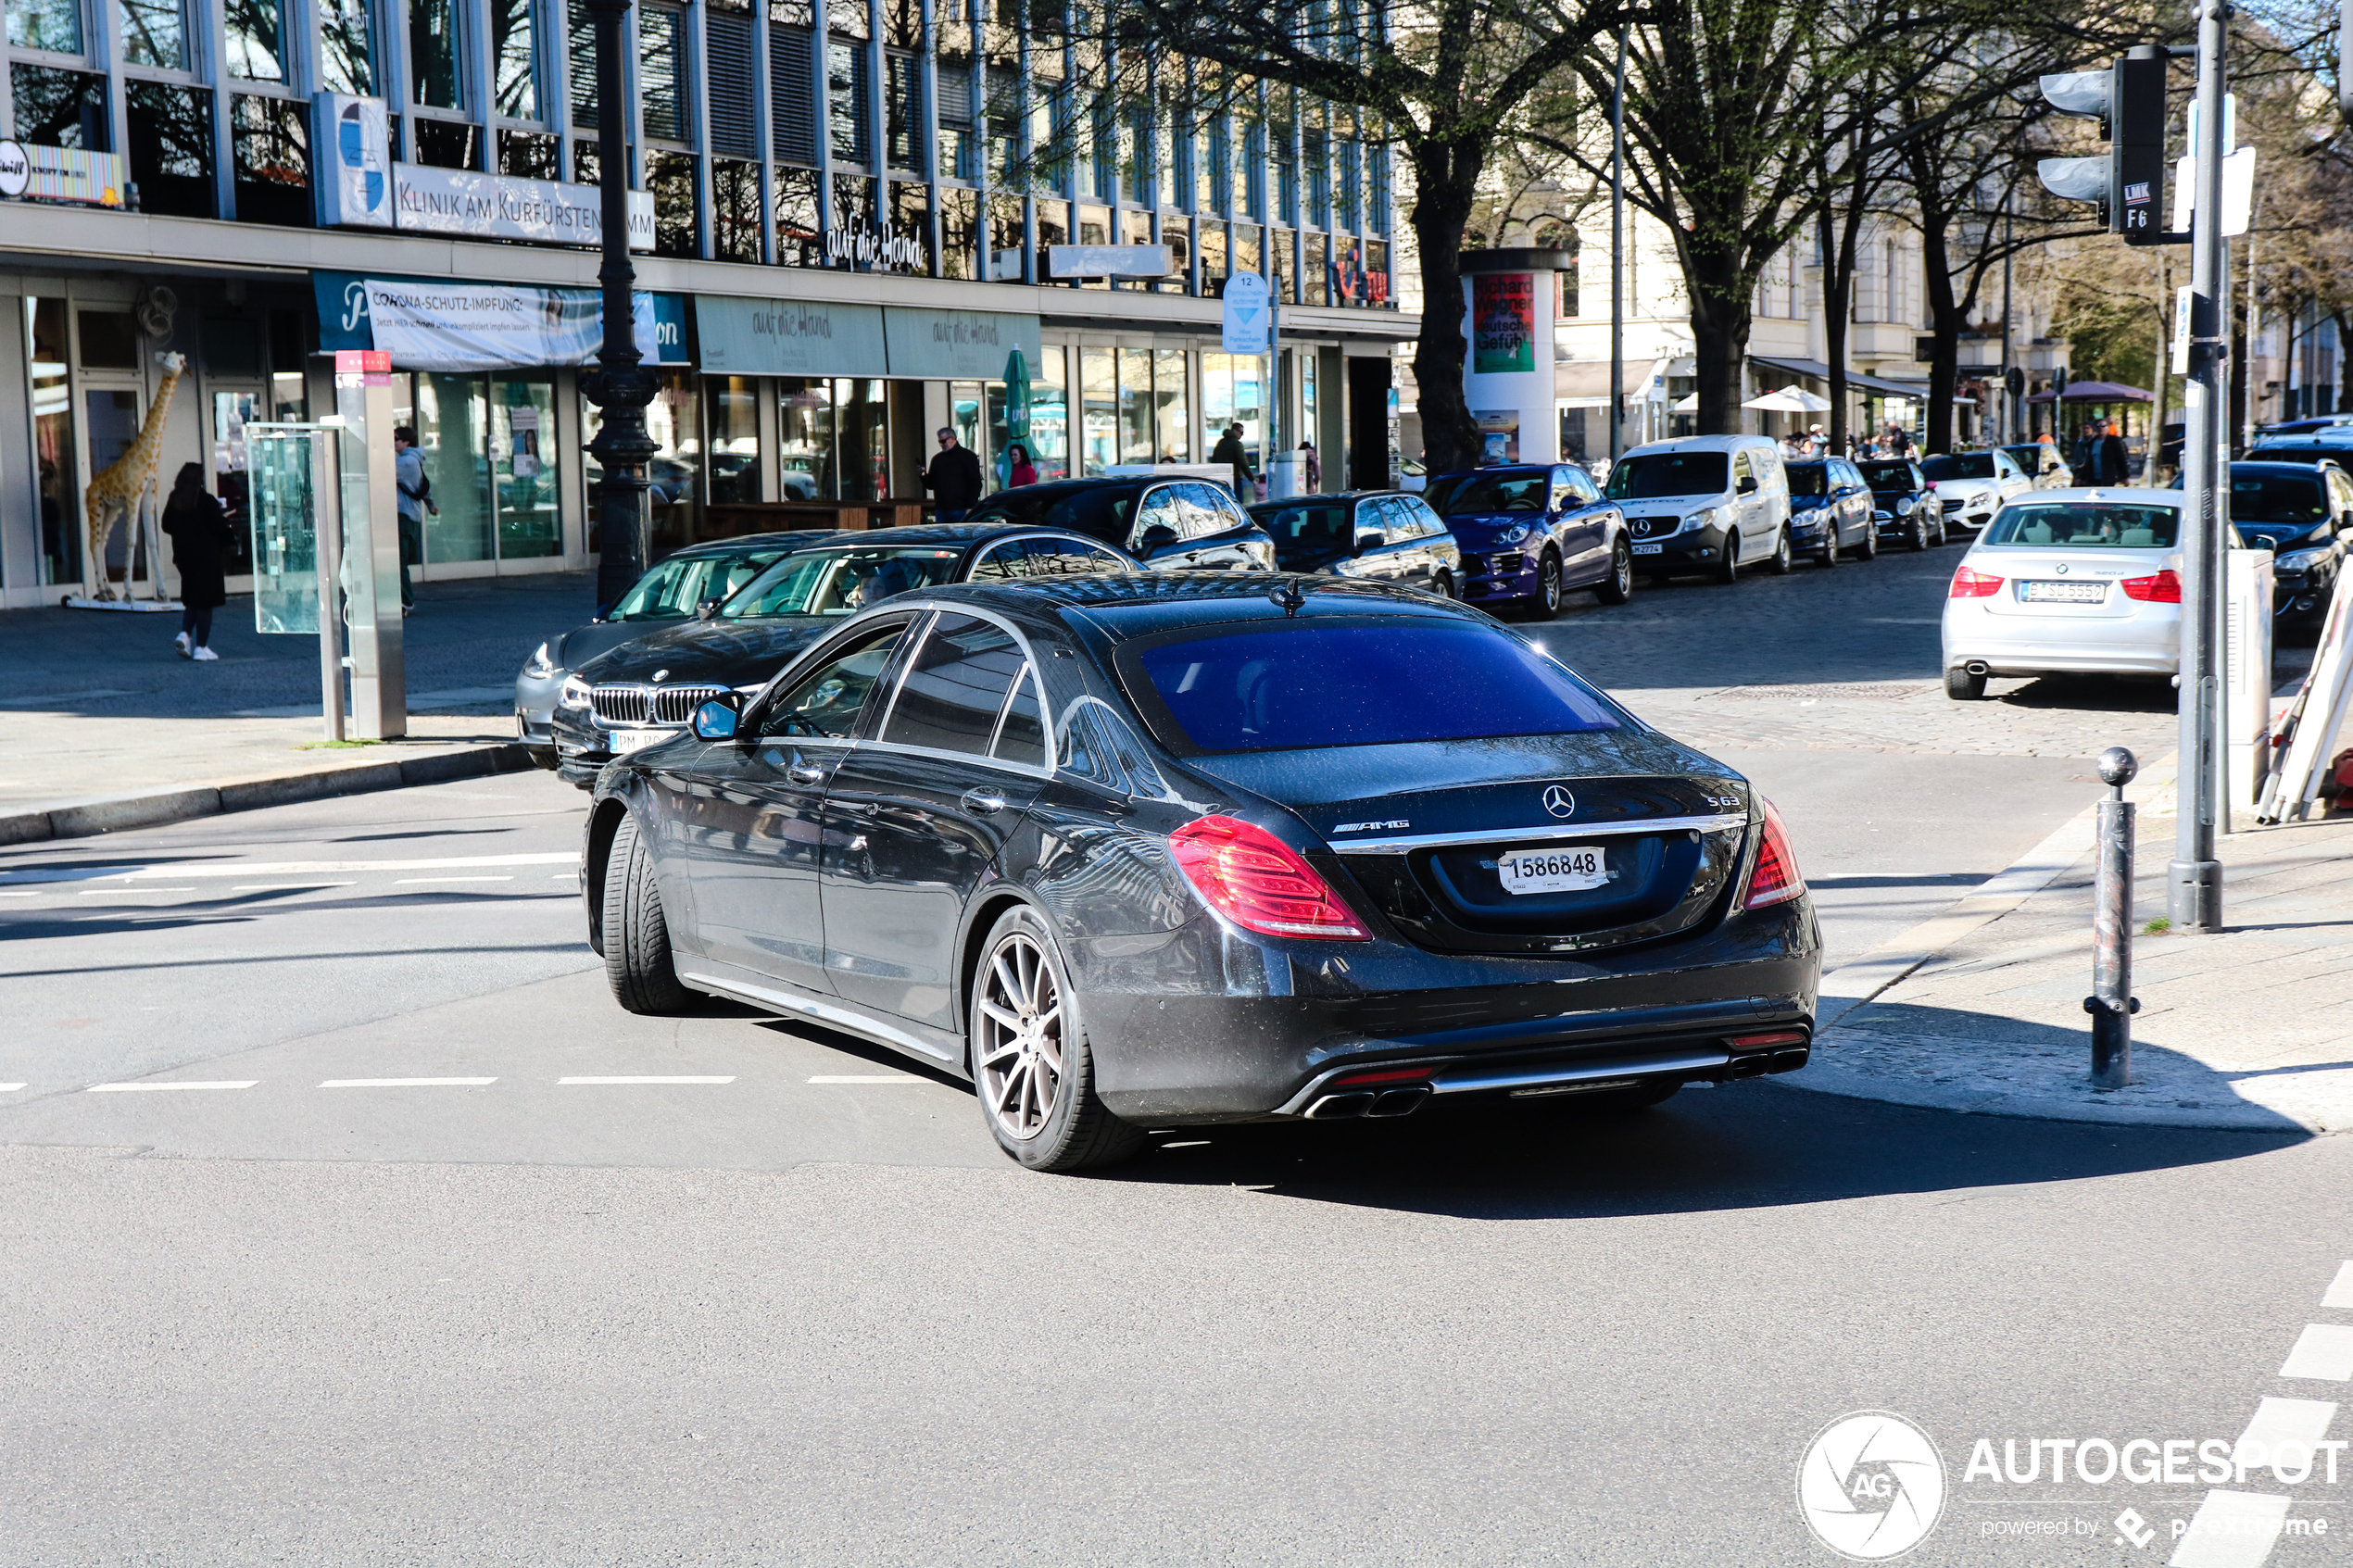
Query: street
[[352, 1223]]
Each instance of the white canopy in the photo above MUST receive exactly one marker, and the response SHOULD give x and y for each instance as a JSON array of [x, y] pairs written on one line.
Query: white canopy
[[1792, 399]]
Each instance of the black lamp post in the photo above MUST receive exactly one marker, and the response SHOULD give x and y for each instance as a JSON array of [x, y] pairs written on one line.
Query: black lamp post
[[620, 388]]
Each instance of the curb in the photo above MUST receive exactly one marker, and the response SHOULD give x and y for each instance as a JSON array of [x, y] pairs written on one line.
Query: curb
[[84, 819]]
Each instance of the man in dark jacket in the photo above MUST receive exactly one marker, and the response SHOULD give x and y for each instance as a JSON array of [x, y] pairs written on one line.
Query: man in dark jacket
[[1230, 451], [2113, 466], [953, 479]]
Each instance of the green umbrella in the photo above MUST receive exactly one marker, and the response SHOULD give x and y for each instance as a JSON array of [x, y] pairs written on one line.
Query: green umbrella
[[1016, 396]]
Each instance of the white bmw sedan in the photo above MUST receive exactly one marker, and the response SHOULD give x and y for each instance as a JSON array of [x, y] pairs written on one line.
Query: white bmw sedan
[[2067, 582]]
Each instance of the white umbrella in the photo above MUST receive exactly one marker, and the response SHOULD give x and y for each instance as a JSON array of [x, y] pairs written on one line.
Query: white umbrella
[[1789, 400]]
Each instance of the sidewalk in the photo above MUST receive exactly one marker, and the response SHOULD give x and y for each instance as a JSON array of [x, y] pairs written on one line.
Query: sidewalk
[[102, 725], [2251, 1028]]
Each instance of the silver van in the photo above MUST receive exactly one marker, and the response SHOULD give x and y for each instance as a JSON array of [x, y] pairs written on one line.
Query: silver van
[[1708, 504]]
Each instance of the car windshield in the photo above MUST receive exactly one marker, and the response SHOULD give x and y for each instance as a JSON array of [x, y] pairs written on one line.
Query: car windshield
[[1097, 510], [2277, 498], [2085, 525], [1808, 479], [1319, 530], [1641, 477], [674, 590], [1960, 465], [1888, 476], [837, 581], [1302, 685], [1466, 493]]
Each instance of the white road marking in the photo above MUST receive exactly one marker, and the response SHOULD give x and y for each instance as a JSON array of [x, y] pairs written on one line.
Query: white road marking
[[865, 1078], [183, 1083], [2231, 1530], [406, 1082], [2324, 1349], [307, 868], [411, 881], [9, 1088], [677, 1080], [12, 893], [283, 886], [2340, 1288], [2283, 1421], [126, 891]]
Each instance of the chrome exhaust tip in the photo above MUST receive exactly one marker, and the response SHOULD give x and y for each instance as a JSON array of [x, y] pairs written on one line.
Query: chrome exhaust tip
[[1339, 1107], [1977, 667], [1399, 1102]]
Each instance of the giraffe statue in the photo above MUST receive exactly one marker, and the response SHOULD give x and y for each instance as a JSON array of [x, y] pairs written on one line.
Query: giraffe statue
[[125, 489]]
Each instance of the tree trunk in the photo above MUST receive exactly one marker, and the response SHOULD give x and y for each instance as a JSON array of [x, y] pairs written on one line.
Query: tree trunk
[[1722, 296], [1944, 324], [1445, 184]]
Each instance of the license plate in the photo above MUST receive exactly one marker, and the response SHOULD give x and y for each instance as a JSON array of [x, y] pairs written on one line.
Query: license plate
[[2065, 593], [626, 741], [1649, 549], [1551, 870]]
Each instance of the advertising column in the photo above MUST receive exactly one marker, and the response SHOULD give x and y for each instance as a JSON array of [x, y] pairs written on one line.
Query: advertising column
[[1509, 376]]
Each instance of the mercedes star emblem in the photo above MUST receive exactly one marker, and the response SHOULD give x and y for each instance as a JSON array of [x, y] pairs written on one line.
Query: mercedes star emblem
[[1559, 802]]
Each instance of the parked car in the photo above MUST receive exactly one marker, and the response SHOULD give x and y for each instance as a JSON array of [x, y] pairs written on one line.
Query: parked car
[[1189, 524], [2041, 464], [2067, 580], [1533, 532], [2334, 445], [644, 692], [1902, 506], [2302, 512], [1378, 535], [1148, 852], [676, 587], [1972, 486], [1705, 503], [1829, 510], [2305, 426]]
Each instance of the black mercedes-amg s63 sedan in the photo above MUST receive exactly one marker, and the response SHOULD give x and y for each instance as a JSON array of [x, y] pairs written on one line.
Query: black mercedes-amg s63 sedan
[[1142, 851]]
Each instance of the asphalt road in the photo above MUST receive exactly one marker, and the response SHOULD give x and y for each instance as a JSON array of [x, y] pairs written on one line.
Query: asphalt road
[[397, 1292]]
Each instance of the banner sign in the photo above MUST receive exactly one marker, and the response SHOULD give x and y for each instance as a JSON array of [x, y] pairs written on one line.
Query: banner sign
[[62, 174], [955, 344], [354, 185], [436, 324], [1244, 315], [500, 206], [1502, 322], [785, 337]]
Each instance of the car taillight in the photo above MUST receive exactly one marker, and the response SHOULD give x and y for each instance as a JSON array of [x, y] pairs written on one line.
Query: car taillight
[[1258, 881], [2162, 589], [1967, 584], [1774, 879]]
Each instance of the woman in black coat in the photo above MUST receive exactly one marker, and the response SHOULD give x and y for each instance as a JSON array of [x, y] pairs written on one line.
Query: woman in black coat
[[200, 539]]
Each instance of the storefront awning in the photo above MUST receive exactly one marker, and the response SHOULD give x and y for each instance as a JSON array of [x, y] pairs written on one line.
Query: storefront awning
[[1584, 383], [1856, 381]]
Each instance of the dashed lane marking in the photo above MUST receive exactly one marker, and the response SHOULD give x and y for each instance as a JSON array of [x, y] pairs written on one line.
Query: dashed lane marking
[[284, 886], [2340, 1292], [310, 867], [406, 1082], [126, 891], [9, 1088], [412, 881], [866, 1078], [2322, 1351], [2282, 1420], [183, 1083], [648, 1079]]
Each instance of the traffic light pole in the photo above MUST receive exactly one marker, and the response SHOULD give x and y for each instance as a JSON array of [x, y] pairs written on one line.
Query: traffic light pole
[[2194, 881]]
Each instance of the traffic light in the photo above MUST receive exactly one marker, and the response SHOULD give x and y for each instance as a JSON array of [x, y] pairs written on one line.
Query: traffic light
[[2129, 181]]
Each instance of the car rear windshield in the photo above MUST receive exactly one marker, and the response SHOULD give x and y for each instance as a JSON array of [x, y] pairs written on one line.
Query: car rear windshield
[[2085, 525], [2277, 498], [1643, 477], [673, 589], [1465, 495], [837, 581], [1307, 529], [1303, 685], [1099, 511], [1888, 476], [1808, 479], [1960, 465]]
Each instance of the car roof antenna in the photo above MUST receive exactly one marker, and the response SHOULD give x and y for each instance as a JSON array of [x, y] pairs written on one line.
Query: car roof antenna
[[1290, 597]]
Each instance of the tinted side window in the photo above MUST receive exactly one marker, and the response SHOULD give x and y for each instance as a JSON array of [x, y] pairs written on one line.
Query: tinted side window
[[1158, 510], [1199, 513], [1420, 508], [825, 703], [1094, 560], [956, 687], [1021, 733], [1001, 562]]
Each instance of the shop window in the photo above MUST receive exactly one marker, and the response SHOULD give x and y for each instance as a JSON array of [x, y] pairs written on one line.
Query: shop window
[[434, 52], [229, 347], [862, 439], [451, 415], [170, 134], [903, 106], [959, 233], [662, 110], [527, 155], [447, 144], [732, 471], [1172, 406], [805, 445], [53, 25], [58, 108], [800, 238], [1049, 413], [1176, 233], [269, 140], [1008, 238], [110, 423], [1136, 429], [155, 32], [1243, 249], [347, 46], [53, 440], [1313, 287], [109, 340], [792, 92], [254, 29], [847, 72], [1231, 393], [735, 210], [671, 178], [522, 440], [1212, 260], [1099, 409], [911, 220], [514, 47]]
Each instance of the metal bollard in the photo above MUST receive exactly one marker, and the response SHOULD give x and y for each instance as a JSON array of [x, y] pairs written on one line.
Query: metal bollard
[[2110, 1003]]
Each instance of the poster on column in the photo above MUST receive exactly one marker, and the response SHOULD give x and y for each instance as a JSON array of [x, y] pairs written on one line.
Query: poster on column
[[1502, 322], [493, 326]]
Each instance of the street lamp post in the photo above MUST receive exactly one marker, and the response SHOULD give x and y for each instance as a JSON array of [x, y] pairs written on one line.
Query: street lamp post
[[620, 388], [1618, 259]]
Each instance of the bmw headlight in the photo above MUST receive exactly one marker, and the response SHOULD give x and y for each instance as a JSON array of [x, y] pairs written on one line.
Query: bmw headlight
[[539, 666], [1517, 534], [575, 693], [2302, 560], [1704, 518]]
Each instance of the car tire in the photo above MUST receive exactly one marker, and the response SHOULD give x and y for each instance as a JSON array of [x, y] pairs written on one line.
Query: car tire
[[1548, 587], [1942, 537], [1727, 565], [1920, 535], [1829, 557], [1962, 686], [1443, 585], [1024, 1034], [636, 932], [1868, 548], [1618, 586]]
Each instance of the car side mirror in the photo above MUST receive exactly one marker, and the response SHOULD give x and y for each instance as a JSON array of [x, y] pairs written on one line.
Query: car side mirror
[[717, 719], [1370, 542], [707, 609], [1747, 485], [1159, 537]]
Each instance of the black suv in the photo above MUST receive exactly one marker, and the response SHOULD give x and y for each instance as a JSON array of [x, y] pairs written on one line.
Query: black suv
[[1179, 524], [1904, 507]]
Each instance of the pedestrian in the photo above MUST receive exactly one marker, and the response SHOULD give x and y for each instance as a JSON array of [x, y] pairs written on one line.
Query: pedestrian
[[1229, 450], [1020, 471], [953, 479], [1313, 470], [2114, 465], [416, 499], [2080, 461], [1816, 443], [200, 540], [2046, 457]]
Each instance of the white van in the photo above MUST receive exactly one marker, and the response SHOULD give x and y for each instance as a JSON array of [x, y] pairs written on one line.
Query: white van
[[1709, 503]]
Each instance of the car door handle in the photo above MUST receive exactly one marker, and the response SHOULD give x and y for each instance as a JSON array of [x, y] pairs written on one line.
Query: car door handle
[[805, 773], [984, 802]]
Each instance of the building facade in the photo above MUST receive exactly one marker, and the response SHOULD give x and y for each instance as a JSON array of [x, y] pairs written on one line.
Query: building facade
[[841, 237]]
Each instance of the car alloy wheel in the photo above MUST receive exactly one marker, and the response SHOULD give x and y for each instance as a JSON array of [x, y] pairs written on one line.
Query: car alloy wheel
[[1919, 534], [1443, 585], [1618, 586], [1829, 557], [1017, 1055], [1728, 570], [1548, 587], [1868, 548]]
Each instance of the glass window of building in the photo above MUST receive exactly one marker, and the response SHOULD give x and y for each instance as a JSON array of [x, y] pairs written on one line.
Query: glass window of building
[[805, 438], [527, 155], [671, 178], [1099, 409], [1314, 284], [1049, 413], [434, 52], [1281, 270], [1212, 260], [959, 232], [347, 46], [170, 134], [792, 89], [1243, 250], [732, 471], [55, 25], [1230, 394], [853, 213], [903, 106], [1134, 229], [270, 141], [846, 77], [254, 29], [155, 32], [1136, 431], [580, 48], [514, 47], [53, 440], [59, 108], [450, 411], [674, 493], [911, 222], [862, 439], [735, 209], [1008, 238], [522, 442], [800, 239], [1176, 233], [446, 144], [661, 74], [1170, 406]]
